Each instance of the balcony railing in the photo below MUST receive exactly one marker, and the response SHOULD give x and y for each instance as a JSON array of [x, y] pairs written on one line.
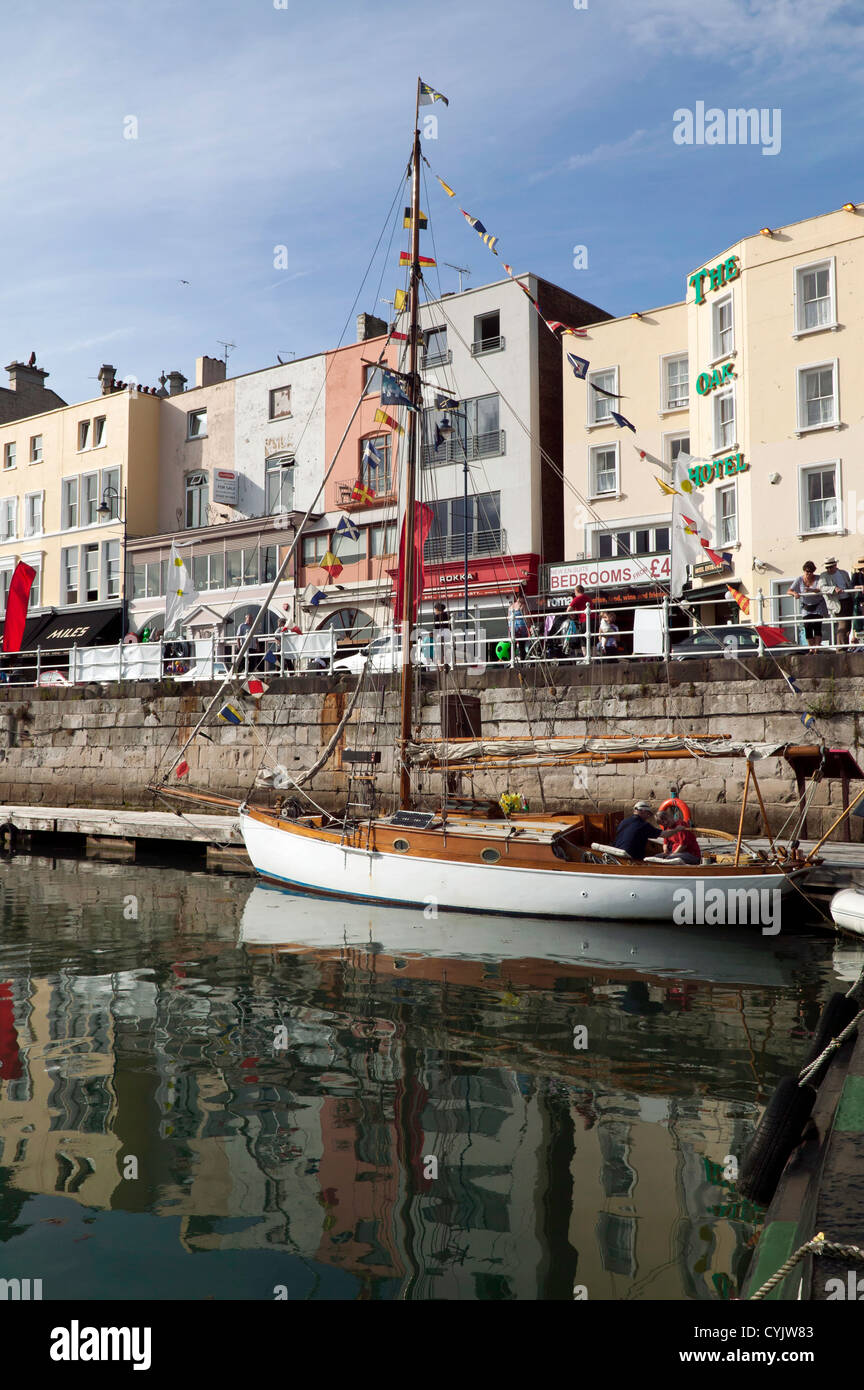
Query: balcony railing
[[452, 547], [477, 446], [487, 345], [438, 359]]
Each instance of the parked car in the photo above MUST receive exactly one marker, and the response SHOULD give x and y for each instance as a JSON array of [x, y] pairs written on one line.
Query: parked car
[[384, 654], [734, 639]]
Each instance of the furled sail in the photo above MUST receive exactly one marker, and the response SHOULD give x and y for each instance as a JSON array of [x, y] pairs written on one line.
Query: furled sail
[[528, 752]]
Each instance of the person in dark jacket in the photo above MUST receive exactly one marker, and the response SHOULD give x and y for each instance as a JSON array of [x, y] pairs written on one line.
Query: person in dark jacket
[[637, 832]]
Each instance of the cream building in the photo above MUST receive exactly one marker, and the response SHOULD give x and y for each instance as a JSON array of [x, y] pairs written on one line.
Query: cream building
[[754, 374]]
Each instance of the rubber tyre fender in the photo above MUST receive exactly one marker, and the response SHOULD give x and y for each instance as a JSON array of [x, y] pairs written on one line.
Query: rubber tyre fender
[[839, 1011], [777, 1134]]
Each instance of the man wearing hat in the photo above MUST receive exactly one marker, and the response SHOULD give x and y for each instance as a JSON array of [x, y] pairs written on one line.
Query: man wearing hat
[[836, 585], [637, 833]]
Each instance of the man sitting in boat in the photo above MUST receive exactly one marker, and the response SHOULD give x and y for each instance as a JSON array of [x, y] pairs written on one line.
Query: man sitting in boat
[[680, 845], [637, 832]]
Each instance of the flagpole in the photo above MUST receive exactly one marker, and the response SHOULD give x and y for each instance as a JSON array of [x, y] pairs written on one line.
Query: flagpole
[[410, 474]]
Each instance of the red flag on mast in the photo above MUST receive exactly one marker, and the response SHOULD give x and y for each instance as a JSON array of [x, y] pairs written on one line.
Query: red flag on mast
[[423, 517], [16, 606]]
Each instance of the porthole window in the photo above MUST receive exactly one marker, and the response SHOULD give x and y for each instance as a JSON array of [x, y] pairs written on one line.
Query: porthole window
[[490, 856], [401, 845]]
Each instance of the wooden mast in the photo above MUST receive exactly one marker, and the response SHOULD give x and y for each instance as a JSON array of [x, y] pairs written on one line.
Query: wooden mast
[[409, 558]]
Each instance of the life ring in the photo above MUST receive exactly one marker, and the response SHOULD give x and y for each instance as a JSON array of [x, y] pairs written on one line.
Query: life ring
[[682, 810]]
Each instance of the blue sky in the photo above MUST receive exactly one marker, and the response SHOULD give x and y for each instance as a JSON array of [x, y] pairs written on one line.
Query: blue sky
[[260, 127]]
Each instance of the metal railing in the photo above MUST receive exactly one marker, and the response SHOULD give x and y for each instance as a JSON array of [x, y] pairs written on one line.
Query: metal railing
[[452, 547], [476, 446], [481, 345]]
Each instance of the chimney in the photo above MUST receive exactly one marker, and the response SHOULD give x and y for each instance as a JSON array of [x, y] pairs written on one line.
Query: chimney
[[25, 376], [368, 326], [176, 383], [107, 375], [209, 370]]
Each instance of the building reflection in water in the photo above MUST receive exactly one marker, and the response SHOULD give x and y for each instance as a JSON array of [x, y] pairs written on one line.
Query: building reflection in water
[[425, 1127]]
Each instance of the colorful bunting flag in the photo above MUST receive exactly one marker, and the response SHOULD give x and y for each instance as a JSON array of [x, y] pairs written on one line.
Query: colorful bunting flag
[[382, 418], [422, 221], [447, 189], [580, 365], [371, 455], [428, 95], [405, 259], [361, 493], [316, 598], [255, 687], [446, 403], [392, 393], [791, 682], [555, 324], [601, 390], [622, 422], [665, 488], [775, 637], [231, 714], [742, 600], [332, 566], [182, 769], [808, 721], [400, 301], [480, 230], [400, 337], [348, 528]]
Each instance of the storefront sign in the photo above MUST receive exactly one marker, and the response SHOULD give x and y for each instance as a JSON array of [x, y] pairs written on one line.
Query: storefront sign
[[719, 275], [703, 571], [225, 486], [720, 468], [607, 574], [709, 381]]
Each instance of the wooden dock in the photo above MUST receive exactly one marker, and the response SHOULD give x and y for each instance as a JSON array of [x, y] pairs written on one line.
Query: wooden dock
[[211, 840]]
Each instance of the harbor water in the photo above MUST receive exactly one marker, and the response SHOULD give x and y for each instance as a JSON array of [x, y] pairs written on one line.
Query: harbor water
[[213, 1089]]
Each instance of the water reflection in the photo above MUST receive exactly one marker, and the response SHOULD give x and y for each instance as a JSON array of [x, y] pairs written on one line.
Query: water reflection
[[340, 1102]]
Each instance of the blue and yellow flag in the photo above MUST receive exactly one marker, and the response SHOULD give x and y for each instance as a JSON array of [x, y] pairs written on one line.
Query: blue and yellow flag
[[428, 95], [422, 221]]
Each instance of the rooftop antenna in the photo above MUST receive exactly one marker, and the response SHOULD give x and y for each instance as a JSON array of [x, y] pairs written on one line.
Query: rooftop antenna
[[461, 269], [227, 347], [391, 302], [292, 355]]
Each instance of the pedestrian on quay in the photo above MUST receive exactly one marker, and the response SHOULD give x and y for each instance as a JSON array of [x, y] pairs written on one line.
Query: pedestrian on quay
[[517, 621], [836, 585], [608, 630], [576, 624], [858, 599], [813, 606]]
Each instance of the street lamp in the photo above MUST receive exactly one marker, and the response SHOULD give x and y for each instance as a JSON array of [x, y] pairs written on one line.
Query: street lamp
[[106, 509], [445, 429]]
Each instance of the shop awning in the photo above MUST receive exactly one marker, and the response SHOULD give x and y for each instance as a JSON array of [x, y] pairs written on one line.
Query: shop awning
[[76, 628], [32, 628]]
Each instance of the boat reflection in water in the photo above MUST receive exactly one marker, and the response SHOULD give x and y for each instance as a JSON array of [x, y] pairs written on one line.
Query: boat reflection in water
[[348, 1102]]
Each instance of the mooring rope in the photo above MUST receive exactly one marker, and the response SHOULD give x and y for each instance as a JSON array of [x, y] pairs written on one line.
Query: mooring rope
[[835, 1043], [818, 1245]]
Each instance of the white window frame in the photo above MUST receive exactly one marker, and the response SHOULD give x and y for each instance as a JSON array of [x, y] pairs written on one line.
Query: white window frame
[[594, 399], [665, 407], [7, 569], [717, 447], [592, 472], [28, 497], [285, 414], [798, 331], [85, 434], [36, 560], [99, 443], [82, 573], [803, 470], [10, 450], [111, 478], [718, 354], [195, 415], [718, 493], [68, 550], [8, 533], [668, 440], [800, 372], [33, 447], [105, 591], [282, 464], [189, 486], [69, 494], [82, 520]]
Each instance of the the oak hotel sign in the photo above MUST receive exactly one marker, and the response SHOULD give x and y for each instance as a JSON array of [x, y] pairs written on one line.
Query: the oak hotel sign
[[719, 275]]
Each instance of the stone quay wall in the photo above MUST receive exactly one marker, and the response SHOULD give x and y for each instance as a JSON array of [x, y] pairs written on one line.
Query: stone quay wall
[[100, 746]]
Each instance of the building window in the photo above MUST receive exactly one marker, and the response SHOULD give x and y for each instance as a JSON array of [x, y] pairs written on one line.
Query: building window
[[279, 470], [269, 563], [820, 498], [643, 540], [149, 579], [98, 431], [383, 539], [9, 518], [676, 391], [111, 568], [435, 352], [90, 499], [814, 297], [315, 548], [372, 380], [35, 563], [217, 570], [6, 572], [600, 407], [451, 520], [84, 434], [475, 432], [111, 486], [69, 573], [69, 504], [376, 476], [280, 402], [723, 333], [817, 396], [196, 424], [33, 513], [487, 333], [251, 573], [604, 469], [35, 448], [9, 455], [90, 573], [724, 421], [348, 551], [233, 569], [673, 445], [726, 503], [197, 499]]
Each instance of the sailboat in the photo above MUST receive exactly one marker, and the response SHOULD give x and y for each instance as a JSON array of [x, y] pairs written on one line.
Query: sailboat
[[461, 859]]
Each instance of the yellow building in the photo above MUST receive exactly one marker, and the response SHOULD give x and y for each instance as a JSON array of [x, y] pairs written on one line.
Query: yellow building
[[753, 374]]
